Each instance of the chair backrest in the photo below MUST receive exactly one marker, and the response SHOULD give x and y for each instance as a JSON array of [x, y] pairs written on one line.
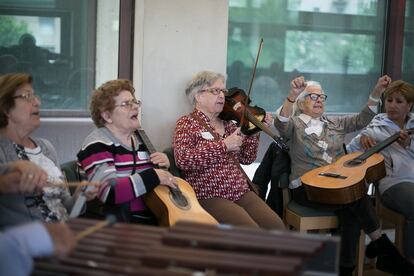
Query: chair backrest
[[70, 170], [174, 170]]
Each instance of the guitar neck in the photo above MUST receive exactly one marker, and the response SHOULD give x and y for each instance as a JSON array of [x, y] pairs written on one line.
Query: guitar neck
[[141, 134], [380, 146]]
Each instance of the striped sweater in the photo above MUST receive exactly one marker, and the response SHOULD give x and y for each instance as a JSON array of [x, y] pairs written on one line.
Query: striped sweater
[[103, 158]]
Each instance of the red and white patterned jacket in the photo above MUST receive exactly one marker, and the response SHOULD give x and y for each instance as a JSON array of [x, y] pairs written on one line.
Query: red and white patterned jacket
[[204, 161]]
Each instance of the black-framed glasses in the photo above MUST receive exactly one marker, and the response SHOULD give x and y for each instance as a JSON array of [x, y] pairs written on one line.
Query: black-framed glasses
[[216, 91], [28, 97], [314, 97], [129, 104]]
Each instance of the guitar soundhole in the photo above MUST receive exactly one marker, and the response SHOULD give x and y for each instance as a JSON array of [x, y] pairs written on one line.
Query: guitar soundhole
[[354, 162], [179, 200]]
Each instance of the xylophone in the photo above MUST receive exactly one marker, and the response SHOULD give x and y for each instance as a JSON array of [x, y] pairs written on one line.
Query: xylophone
[[186, 249]]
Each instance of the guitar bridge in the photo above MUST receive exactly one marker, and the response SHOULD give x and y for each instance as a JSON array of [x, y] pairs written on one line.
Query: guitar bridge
[[334, 175]]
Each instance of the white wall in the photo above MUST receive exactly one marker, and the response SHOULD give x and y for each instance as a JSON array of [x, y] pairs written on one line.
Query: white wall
[[173, 41]]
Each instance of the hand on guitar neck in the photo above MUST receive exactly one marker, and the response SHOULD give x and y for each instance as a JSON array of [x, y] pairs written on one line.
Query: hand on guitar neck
[[404, 140], [160, 160]]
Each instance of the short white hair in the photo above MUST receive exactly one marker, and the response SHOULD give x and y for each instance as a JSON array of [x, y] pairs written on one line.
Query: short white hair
[[301, 98]]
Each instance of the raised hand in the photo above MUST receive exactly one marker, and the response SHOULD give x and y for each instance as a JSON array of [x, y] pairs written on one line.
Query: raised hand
[[382, 83], [297, 85]]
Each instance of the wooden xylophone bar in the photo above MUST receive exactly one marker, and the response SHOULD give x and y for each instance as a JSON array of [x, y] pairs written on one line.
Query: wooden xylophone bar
[[241, 239], [186, 248]]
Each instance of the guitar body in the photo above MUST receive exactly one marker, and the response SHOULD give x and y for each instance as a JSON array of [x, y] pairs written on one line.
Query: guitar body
[[343, 183], [168, 211]]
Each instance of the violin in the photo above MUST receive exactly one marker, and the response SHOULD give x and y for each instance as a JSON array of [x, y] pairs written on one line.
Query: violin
[[250, 118]]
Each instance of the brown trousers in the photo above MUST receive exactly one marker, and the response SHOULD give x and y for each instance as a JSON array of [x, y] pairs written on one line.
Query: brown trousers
[[250, 210]]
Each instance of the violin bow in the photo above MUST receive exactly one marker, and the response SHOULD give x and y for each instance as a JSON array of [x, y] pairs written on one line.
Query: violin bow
[[251, 82]]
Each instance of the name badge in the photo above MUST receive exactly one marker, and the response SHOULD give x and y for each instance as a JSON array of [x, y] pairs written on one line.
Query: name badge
[[207, 135], [143, 155]]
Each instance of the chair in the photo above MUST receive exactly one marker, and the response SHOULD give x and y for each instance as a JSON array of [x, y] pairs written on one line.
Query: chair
[[70, 169], [173, 169], [93, 207], [303, 219], [395, 218]]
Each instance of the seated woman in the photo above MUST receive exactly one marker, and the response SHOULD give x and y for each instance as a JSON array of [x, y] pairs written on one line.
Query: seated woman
[[114, 154], [397, 188], [19, 117], [209, 151], [19, 244], [317, 140]]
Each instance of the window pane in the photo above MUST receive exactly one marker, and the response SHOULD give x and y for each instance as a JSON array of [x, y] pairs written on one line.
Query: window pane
[[55, 42], [338, 43], [408, 50]]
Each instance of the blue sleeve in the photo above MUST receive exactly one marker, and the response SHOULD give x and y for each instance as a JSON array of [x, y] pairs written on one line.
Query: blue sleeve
[[18, 245], [355, 145]]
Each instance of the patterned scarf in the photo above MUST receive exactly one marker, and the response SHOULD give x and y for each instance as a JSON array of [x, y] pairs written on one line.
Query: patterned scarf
[[35, 200]]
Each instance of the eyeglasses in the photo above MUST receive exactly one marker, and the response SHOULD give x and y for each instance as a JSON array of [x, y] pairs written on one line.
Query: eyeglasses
[[29, 97], [314, 97], [129, 104], [215, 91]]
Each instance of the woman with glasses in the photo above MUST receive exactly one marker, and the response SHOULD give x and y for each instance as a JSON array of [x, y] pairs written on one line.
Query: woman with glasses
[[19, 117], [317, 140], [209, 151], [114, 155]]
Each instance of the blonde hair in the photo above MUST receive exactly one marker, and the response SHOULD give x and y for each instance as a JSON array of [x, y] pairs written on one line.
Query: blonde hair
[[402, 87]]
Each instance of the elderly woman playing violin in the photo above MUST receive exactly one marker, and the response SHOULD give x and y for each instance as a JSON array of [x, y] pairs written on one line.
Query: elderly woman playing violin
[[19, 117], [209, 151], [115, 155]]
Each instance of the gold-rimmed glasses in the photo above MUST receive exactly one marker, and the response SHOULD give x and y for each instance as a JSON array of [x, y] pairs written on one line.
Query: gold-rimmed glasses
[[129, 104], [27, 96]]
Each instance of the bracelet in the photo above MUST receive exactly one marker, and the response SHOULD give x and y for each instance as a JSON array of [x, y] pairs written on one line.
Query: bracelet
[[289, 100], [375, 100]]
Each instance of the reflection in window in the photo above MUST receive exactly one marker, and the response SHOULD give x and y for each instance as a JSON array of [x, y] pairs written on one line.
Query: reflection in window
[[322, 52], [341, 48], [56, 43], [356, 7], [408, 49]]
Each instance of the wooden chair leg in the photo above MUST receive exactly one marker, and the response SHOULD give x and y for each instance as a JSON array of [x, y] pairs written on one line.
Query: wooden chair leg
[[399, 238], [359, 268]]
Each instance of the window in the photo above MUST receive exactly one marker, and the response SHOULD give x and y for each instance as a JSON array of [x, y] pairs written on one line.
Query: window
[[56, 42], [408, 50], [338, 43]]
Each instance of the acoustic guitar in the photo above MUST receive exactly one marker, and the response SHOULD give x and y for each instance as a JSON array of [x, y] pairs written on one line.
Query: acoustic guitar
[[171, 205], [345, 180]]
